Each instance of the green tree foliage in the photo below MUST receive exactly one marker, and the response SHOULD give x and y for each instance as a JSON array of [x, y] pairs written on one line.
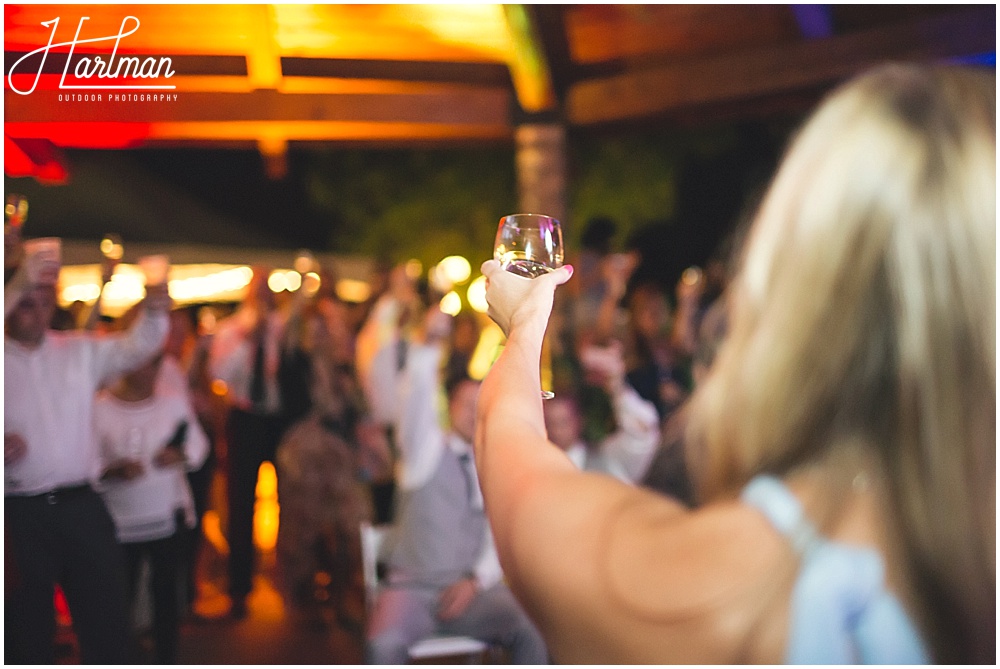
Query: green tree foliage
[[631, 180], [402, 204], [679, 190]]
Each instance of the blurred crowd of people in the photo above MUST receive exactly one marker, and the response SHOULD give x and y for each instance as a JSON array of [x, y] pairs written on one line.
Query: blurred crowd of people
[[300, 379]]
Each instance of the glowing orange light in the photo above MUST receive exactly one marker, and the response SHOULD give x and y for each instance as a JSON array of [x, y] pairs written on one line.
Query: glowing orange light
[[266, 509]]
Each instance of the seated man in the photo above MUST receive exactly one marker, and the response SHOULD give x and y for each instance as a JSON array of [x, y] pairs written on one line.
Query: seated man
[[624, 454], [443, 573]]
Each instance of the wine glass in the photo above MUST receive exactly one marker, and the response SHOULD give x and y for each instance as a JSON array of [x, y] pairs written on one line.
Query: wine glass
[[15, 211], [112, 251], [529, 245], [112, 247]]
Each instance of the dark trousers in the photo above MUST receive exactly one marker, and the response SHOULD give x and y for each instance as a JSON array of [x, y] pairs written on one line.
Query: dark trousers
[[200, 482], [165, 558], [252, 440], [69, 539]]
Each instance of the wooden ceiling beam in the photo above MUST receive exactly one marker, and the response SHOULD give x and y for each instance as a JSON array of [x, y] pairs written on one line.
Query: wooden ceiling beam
[[482, 74], [650, 33], [203, 66], [323, 131], [247, 134], [183, 64], [529, 69], [457, 105], [263, 57], [779, 69], [550, 20]]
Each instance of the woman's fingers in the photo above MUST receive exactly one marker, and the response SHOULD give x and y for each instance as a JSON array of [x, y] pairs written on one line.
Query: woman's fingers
[[512, 298]]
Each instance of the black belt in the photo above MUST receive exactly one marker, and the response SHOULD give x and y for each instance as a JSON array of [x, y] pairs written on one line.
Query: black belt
[[253, 413], [59, 495]]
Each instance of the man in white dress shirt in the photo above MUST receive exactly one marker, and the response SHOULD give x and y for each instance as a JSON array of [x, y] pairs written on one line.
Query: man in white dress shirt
[[57, 528], [443, 572]]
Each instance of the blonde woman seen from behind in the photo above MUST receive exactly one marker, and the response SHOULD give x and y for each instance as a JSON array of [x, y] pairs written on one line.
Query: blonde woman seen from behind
[[843, 444]]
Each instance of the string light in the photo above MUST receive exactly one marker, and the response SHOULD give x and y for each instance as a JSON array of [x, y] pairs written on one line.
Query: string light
[[451, 304], [352, 290], [277, 281], [456, 269], [476, 294], [193, 283], [413, 268]]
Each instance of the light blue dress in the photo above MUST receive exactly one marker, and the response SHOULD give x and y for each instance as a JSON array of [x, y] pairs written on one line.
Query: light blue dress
[[841, 611]]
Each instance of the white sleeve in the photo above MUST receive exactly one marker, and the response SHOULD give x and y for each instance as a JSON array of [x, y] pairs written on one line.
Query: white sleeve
[[626, 453], [376, 359], [117, 354], [419, 436], [379, 329], [379, 384], [487, 570], [227, 359]]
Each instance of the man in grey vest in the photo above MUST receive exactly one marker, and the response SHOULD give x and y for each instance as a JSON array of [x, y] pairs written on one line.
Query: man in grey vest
[[443, 573]]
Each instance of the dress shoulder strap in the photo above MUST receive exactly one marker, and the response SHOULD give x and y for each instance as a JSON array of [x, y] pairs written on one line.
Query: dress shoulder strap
[[841, 612], [770, 496]]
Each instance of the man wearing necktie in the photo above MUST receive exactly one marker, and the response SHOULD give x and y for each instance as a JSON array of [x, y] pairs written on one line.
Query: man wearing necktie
[[443, 576], [247, 355]]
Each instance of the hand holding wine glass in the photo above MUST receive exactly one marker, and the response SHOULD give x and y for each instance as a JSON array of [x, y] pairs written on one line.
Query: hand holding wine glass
[[529, 246]]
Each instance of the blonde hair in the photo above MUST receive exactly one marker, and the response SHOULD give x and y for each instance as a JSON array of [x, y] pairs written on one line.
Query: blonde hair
[[864, 312]]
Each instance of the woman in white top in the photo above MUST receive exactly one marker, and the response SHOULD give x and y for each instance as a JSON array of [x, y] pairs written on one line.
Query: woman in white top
[[149, 440]]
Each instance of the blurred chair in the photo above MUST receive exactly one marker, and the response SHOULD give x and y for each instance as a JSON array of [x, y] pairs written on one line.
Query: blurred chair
[[437, 646]]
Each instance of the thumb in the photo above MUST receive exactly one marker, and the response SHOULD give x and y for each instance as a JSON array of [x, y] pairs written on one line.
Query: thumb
[[489, 267], [560, 276]]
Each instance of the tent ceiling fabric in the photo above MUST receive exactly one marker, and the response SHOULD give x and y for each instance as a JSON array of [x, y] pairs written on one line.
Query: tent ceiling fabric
[[267, 75]]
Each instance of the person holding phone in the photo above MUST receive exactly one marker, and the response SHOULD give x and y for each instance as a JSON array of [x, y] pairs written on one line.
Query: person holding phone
[[149, 441]]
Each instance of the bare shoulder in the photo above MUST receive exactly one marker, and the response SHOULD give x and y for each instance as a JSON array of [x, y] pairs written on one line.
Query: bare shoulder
[[699, 544], [714, 581], [624, 575]]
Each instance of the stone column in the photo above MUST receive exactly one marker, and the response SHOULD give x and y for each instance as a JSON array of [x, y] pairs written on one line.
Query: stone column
[[541, 169], [541, 184]]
